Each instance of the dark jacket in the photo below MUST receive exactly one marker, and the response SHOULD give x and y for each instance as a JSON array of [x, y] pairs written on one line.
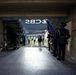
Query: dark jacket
[[64, 35]]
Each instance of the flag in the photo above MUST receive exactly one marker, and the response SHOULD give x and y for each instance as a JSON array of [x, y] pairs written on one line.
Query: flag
[[50, 28], [52, 31]]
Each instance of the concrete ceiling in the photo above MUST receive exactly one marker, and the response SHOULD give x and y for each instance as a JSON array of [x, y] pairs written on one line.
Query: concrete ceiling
[[22, 8]]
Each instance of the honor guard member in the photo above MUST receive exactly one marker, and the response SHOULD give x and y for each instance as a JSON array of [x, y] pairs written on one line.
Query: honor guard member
[[63, 36]]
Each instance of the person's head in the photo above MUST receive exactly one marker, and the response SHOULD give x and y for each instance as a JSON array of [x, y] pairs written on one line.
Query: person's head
[[63, 24]]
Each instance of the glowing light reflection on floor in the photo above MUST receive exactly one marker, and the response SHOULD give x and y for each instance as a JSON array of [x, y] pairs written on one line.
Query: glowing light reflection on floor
[[34, 57]]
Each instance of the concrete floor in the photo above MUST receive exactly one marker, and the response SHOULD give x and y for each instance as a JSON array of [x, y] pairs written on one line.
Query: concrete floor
[[33, 61]]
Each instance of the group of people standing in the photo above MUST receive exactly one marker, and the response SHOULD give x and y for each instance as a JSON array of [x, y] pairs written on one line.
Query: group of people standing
[[36, 40], [59, 41]]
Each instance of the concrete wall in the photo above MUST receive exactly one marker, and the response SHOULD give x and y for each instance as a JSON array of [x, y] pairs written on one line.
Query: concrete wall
[[68, 46], [72, 18], [1, 33]]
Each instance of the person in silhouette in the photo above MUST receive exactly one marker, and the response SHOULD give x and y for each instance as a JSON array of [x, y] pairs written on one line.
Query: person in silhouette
[[48, 41], [63, 36], [56, 46], [39, 41]]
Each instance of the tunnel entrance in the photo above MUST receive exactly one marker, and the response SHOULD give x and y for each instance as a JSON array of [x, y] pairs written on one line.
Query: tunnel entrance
[[18, 32], [33, 27], [25, 31]]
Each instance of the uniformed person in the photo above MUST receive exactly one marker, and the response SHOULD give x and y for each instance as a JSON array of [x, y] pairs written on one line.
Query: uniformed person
[[56, 46], [63, 36]]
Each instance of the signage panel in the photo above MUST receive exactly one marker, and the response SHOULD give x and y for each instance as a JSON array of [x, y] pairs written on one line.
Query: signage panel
[[35, 21]]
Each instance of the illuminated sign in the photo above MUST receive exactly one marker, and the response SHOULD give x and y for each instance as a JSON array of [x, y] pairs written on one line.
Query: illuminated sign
[[35, 21]]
